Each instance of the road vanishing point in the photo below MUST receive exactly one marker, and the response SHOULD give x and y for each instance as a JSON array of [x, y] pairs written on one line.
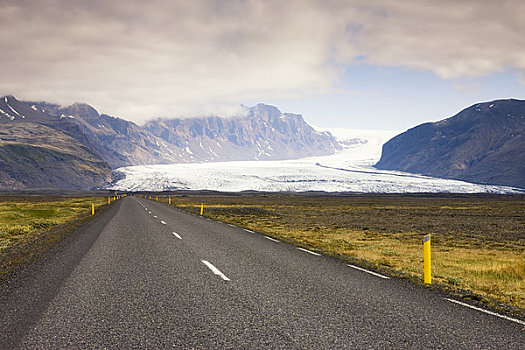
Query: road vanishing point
[[145, 275]]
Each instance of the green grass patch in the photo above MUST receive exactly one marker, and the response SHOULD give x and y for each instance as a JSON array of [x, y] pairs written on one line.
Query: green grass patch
[[25, 216]]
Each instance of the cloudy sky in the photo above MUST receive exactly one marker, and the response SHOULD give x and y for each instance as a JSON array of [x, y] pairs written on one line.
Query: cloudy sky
[[355, 64]]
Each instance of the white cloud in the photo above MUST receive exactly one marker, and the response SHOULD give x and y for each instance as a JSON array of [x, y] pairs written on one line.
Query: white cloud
[[140, 59]]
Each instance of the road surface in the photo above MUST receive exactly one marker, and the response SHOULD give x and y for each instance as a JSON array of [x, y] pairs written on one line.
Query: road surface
[[144, 275]]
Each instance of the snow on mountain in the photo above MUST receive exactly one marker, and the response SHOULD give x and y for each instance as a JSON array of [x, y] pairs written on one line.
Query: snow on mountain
[[361, 148], [263, 132], [348, 170]]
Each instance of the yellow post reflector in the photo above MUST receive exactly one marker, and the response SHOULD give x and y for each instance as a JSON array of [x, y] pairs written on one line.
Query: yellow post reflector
[[427, 260]]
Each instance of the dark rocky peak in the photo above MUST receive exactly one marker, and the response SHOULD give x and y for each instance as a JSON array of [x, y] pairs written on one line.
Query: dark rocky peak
[[14, 110], [80, 110], [9, 98], [498, 106], [119, 125], [487, 110], [9, 110], [46, 107], [482, 143]]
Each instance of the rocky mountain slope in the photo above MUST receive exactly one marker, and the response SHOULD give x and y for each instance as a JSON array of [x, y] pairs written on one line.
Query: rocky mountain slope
[[119, 142], [263, 133], [484, 143], [34, 156]]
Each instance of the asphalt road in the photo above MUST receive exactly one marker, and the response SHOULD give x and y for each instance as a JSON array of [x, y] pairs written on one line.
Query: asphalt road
[[143, 275]]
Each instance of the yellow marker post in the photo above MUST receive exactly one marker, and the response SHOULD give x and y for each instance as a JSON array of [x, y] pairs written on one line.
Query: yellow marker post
[[202, 208], [156, 199], [109, 200], [92, 208], [169, 200], [426, 260]]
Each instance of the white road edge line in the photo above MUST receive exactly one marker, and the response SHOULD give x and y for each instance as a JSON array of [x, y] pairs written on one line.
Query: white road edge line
[[177, 235], [215, 270], [368, 271], [309, 251], [232, 225], [273, 239], [486, 311], [245, 229], [163, 222]]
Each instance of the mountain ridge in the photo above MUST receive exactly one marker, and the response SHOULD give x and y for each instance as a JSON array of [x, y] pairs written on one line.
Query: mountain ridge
[[264, 133], [34, 156], [483, 143], [179, 140]]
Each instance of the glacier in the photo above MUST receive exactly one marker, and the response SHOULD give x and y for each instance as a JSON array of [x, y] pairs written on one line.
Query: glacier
[[348, 170]]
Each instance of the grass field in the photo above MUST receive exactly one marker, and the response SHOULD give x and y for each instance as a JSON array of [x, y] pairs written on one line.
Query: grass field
[[478, 241], [29, 225], [22, 217]]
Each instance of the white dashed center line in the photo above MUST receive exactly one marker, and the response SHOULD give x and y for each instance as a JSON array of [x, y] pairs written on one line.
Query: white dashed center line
[[177, 235], [215, 270], [274, 240], [155, 216], [367, 271], [163, 222], [309, 251]]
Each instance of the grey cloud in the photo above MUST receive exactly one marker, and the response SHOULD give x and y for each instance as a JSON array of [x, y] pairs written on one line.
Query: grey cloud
[[139, 59], [451, 38]]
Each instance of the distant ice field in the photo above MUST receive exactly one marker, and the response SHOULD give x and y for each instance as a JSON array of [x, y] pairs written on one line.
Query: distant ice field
[[350, 170]]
